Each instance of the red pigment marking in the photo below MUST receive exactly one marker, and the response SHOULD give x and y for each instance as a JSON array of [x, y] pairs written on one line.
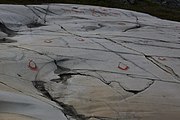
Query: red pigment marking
[[162, 58], [123, 66], [32, 65]]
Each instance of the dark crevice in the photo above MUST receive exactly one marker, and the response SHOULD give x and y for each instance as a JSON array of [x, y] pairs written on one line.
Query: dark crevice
[[165, 68], [63, 78], [47, 10], [131, 90], [147, 39], [155, 45], [108, 39], [135, 91], [37, 52], [131, 28], [134, 27], [93, 28], [29, 7], [35, 24], [130, 61], [11, 87], [82, 18], [6, 40], [44, 11], [69, 32], [39, 85], [129, 75], [93, 49], [6, 30], [68, 110], [60, 70], [19, 75], [103, 118]]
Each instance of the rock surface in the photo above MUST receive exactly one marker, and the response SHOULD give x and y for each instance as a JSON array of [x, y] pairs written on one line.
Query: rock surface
[[75, 62]]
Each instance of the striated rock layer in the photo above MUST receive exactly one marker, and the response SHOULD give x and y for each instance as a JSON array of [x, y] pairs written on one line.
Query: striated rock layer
[[75, 62]]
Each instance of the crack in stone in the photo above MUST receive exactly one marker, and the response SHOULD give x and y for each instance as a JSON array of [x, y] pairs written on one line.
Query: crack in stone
[[47, 10], [125, 59], [131, 28], [159, 46], [28, 49], [94, 49], [6, 30], [6, 40], [35, 24], [67, 73], [146, 39], [68, 110], [65, 76], [134, 91], [31, 9], [43, 9], [108, 40], [11, 87], [165, 68], [129, 75], [134, 27]]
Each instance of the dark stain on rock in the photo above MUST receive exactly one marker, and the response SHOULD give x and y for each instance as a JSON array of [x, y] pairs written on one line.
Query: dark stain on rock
[[63, 78], [6, 40], [35, 25], [6, 30]]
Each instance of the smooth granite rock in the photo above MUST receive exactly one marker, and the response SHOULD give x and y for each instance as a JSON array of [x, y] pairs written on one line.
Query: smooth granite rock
[[76, 62]]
